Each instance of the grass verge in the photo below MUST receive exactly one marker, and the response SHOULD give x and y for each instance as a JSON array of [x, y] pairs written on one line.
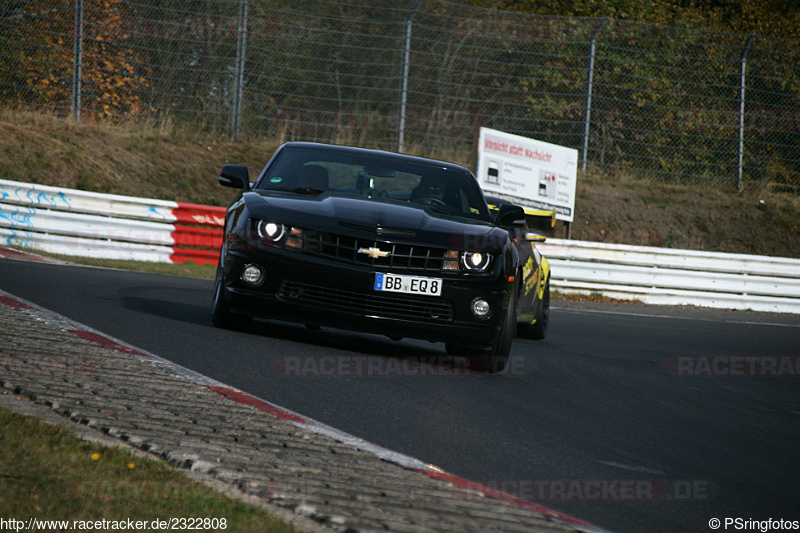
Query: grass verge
[[186, 269], [590, 297], [49, 473]]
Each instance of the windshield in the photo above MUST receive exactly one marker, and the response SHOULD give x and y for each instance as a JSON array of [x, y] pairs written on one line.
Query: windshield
[[377, 178]]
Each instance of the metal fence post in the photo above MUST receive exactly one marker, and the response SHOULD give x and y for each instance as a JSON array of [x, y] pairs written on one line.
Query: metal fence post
[[404, 82], [659, 117], [238, 86], [589, 84], [741, 112], [77, 62]]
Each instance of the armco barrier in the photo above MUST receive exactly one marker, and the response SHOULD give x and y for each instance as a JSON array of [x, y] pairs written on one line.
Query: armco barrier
[[675, 277], [79, 223]]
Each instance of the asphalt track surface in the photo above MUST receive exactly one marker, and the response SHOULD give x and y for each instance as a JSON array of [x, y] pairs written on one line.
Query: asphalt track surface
[[600, 420]]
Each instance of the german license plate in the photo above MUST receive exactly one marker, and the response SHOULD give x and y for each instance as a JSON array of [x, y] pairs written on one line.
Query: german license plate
[[408, 284]]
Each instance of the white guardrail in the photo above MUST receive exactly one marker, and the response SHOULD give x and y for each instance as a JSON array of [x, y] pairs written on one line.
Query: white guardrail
[[108, 226], [675, 277], [80, 223]]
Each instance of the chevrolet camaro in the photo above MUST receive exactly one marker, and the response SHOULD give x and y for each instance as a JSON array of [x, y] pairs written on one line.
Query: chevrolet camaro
[[379, 242]]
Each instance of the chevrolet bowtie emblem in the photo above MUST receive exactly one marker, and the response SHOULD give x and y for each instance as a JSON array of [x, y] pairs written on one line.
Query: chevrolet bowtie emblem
[[373, 252]]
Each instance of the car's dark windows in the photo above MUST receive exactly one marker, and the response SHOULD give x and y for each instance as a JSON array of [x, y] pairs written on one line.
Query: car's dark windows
[[378, 178]]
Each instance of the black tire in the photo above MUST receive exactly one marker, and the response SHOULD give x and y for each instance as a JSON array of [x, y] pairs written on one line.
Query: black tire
[[476, 358], [538, 330], [495, 359], [221, 314]]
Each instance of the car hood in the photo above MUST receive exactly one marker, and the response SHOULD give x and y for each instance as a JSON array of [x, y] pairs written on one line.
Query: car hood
[[376, 219]]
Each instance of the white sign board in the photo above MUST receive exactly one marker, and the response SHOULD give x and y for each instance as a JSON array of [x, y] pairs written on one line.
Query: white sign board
[[528, 172]]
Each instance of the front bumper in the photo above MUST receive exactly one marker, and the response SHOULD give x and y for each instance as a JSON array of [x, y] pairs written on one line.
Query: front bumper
[[318, 291]]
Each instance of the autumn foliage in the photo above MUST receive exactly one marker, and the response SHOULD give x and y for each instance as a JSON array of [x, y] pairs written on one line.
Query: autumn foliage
[[113, 75], [772, 18]]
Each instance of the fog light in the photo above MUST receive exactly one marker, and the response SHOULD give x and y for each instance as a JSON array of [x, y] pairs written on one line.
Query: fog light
[[481, 308], [253, 275]]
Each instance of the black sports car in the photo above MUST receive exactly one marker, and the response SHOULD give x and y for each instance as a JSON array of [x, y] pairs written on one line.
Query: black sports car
[[379, 242]]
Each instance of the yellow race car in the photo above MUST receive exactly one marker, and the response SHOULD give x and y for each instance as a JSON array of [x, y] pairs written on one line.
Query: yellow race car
[[535, 287]]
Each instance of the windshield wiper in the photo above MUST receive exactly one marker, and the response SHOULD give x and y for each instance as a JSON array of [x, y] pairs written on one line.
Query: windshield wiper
[[445, 210], [301, 190]]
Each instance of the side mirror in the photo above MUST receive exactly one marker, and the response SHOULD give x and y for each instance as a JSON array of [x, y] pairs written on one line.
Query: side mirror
[[510, 216], [534, 236], [236, 176]]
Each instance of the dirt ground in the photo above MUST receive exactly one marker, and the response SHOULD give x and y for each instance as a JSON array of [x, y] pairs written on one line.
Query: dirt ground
[[164, 162], [686, 217]]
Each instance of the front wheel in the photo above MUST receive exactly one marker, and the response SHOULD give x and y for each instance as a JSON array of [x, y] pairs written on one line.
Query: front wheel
[[221, 314], [495, 358]]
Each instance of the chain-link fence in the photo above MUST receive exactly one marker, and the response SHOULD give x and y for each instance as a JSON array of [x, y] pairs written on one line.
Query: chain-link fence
[[662, 103]]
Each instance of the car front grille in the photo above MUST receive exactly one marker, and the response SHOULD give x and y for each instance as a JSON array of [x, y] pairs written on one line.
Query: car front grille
[[385, 305], [402, 257]]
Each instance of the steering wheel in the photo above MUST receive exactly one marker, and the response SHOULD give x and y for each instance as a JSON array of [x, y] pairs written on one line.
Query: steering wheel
[[430, 201]]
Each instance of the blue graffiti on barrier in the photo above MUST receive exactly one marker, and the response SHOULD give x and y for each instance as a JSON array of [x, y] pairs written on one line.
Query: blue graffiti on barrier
[[17, 217], [155, 210]]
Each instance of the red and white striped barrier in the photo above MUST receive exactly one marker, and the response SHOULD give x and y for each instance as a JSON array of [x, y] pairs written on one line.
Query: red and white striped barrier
[[108, 226]]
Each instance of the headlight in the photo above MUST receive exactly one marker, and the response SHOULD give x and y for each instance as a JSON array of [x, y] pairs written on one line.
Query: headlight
[[270, 231], [475, 261], [455, 260]]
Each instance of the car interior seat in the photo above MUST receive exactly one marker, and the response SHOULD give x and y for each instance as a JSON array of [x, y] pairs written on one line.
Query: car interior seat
[[313, 177]]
